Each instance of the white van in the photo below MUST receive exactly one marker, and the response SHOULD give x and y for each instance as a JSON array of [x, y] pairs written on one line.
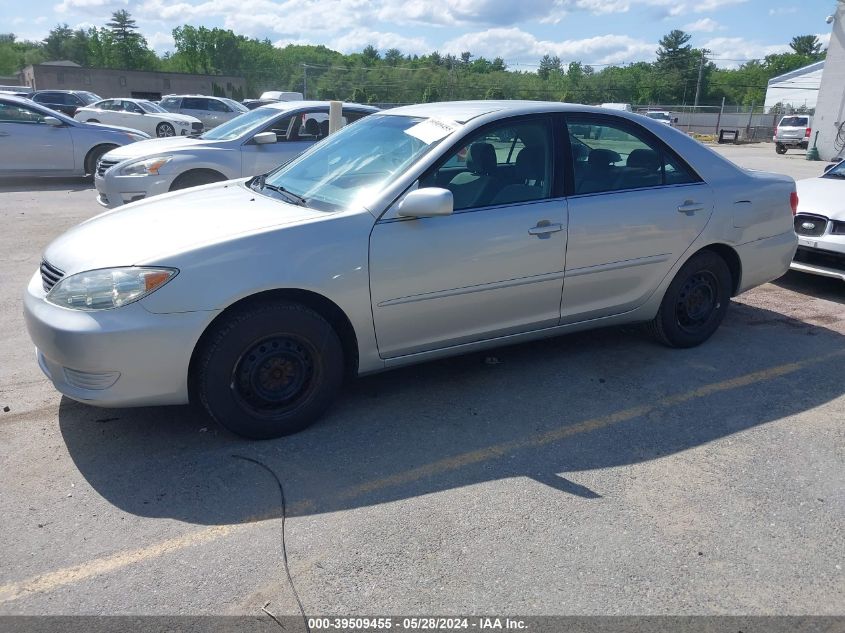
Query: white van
[[617, 106], [277, 95]]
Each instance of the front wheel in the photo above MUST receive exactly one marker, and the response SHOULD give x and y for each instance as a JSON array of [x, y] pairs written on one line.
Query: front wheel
[[695, 302], [780, 148], [165, 129], [269, 370]]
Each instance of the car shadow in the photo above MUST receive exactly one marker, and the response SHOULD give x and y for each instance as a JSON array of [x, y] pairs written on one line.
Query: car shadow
[[544, 410], [814, 286], [9, 185]]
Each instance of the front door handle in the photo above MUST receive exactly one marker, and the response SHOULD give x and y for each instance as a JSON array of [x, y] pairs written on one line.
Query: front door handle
[[544, 228], [690, 206]]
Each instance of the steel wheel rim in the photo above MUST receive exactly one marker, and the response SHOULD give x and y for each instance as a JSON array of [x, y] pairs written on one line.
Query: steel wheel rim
[[697, 301], [274, 376]]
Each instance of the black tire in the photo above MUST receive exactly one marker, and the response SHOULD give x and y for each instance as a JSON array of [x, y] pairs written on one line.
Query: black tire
[[165, 129], [780, 148], [269, 370], [93, 156], [92, 121], [196, 178], [804, 146], [695, 302]]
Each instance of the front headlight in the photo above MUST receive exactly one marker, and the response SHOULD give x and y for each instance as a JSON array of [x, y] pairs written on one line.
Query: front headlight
[[108, 288], [145, 167]]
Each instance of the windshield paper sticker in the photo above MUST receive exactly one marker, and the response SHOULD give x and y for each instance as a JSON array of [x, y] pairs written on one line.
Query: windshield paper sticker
[[432, 130]]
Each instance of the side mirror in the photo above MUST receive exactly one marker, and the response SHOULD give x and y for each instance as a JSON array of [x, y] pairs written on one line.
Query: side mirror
[[51, 120], [264, 138], [427, 203]]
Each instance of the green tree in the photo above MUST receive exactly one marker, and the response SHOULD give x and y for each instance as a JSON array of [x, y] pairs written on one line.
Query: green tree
[[129, 48], [808, 46]]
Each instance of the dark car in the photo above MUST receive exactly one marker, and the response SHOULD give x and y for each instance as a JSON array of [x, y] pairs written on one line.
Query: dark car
[[65, 101]]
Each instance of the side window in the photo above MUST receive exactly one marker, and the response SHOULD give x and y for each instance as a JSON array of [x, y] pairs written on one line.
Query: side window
[[128, 106], [506, 164], [12, 113], [72, 99], [193, 103], [309, 126], [610, 155], [280, 127], [172, 102], [218, 106]]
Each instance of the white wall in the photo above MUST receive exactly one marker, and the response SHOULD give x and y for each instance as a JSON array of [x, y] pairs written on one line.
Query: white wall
[[797, 91], [830, 107]]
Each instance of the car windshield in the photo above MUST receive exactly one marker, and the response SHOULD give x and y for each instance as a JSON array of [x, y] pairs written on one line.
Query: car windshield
[[238, 107], [838, 171], [241, 124], [149, 106], [89, 97], [661, 116], [349, 167]]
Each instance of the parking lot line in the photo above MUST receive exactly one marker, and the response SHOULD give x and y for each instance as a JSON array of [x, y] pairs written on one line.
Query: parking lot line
[[107, 564]]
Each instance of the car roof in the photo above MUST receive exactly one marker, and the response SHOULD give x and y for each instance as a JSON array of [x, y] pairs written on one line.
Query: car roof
[[298, 105], [463, 111]]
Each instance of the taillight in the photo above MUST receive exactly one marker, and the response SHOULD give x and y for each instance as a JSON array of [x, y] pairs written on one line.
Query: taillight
[[807, 133], [793, 202]]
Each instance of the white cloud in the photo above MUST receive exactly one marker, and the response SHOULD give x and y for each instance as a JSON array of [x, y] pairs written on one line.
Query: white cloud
[[90, 6], [161, 41], [357, 39], [783, 10], [730, 52], [516, 44], [704, 25]]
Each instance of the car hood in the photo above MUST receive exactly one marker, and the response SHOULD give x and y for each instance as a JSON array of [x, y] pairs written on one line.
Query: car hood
[[825, 196], [156, 146], [151, 230], [172, 116], [113, 128]]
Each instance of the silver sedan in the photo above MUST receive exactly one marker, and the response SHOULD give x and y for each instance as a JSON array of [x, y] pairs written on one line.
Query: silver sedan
[[37, 141], [417, 233], [252, 143]]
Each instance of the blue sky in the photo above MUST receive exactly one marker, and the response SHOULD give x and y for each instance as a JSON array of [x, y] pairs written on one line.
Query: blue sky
[[519, 31]]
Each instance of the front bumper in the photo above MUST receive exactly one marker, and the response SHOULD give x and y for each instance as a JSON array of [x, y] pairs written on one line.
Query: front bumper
[[823, 255], [114, 190], [114, 358]]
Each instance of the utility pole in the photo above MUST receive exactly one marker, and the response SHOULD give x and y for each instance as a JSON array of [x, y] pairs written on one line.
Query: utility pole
[[704, 51], [305, 81]]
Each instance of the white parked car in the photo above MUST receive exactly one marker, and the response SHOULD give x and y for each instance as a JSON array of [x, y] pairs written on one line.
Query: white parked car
[[140, 114], [820, 224], [416, 233], [253, 143]]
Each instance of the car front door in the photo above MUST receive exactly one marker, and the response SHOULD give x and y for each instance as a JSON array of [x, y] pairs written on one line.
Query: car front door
[[198, 107], [493, 267], [132, 116], [635, 208], [28, 144]]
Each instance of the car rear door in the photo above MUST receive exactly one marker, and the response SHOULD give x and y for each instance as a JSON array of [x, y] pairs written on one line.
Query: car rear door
[[28, 144], [493, 267], [635, 207]]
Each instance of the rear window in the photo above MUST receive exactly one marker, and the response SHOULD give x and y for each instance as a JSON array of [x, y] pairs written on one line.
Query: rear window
[[794, 121]]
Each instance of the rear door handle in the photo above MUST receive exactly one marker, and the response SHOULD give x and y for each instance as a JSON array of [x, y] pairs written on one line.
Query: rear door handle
[[690, 206], [4, 134], [544, 228]]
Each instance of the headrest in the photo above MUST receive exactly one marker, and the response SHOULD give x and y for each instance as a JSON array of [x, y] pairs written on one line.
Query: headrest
[[530, 163], [324, 128], [481, 159], [603, 158], [312, 127], [644, 159]]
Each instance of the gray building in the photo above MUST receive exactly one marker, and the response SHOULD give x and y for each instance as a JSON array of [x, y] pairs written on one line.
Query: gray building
[[141, 84], [829, 119]]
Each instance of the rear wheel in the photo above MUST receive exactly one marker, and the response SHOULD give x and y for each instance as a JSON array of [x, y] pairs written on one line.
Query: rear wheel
[[269, 370], [780, 148], [92, 121], [695, 302], [165, 129]]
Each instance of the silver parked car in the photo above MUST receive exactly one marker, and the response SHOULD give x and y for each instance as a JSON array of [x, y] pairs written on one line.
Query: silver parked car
[[417, 233], [792, 131], [820, 224], [212, 111], [253, 143], [37, 141]]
